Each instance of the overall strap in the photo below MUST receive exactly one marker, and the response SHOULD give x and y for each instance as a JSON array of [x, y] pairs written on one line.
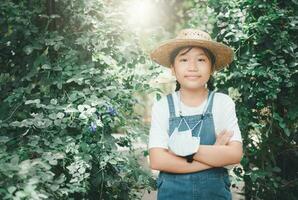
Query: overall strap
[[211, 97], [171, 105]]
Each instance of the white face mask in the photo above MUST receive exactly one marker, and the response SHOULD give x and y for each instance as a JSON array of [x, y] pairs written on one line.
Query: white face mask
[[182, 143]]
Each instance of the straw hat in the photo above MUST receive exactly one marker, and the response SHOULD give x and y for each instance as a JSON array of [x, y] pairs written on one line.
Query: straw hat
[[193, 37]]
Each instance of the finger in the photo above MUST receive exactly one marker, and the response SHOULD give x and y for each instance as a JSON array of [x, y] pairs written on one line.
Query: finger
[[231, 133], [219, 136], [228, 137], [223, 137], [220, 141], [223, 132], [227, 132]]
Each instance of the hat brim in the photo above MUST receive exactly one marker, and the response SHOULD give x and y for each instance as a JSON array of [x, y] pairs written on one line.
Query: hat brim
[[224, 55]]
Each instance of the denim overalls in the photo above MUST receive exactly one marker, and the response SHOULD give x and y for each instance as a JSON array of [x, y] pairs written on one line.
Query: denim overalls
[[210, 184]]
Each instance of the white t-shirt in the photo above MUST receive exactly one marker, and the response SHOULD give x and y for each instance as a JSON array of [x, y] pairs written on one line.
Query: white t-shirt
[[223, 111]]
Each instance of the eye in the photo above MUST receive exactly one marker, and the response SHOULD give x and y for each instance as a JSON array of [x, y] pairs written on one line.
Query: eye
[[183, 60], [201, 60]]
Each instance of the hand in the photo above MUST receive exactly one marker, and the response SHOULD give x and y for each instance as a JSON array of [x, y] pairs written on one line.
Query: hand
[[182, 143], [223, 137]]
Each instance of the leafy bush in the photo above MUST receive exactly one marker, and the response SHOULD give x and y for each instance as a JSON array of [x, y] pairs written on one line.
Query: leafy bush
[[68, 75], [263, 82]]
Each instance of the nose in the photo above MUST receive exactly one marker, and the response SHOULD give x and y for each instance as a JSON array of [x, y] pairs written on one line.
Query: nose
[[193, 65]]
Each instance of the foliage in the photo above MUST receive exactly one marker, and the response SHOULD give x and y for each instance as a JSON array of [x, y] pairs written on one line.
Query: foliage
[[68, 72], [263, 82]]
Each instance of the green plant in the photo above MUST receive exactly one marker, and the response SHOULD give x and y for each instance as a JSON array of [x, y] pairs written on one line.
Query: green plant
[[263, 82], [67, 81]]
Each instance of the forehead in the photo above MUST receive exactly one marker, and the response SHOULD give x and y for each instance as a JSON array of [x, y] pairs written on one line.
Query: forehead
[[193, 51]]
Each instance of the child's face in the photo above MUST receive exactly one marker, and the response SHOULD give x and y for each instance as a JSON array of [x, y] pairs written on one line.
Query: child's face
[[193, 69]]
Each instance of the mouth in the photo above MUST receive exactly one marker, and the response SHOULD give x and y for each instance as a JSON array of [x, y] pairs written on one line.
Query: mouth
[[192, 77]]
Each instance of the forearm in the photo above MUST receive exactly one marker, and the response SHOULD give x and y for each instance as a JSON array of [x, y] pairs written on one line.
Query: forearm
[[219, 155], [165, 161]]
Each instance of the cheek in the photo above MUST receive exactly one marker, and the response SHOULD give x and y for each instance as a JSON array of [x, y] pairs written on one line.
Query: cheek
[[178, 74], [178, 70], [207, 68]]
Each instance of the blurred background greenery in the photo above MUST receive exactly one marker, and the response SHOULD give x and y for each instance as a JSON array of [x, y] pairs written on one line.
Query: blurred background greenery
[[77, 87]]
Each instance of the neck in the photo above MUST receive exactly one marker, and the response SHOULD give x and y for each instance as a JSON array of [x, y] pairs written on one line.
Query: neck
[[193, 97]]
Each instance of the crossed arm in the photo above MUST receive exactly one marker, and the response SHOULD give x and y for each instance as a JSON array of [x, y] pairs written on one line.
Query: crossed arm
[[220, 154]]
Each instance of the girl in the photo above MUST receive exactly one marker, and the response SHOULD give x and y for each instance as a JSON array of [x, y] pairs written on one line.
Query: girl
[[194, 133]]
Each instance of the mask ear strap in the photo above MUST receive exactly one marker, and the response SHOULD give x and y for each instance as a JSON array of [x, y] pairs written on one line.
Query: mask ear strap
[[201, 120], [200, 128], [204, 112], [196, 124], [208, 101], [182, 118], [186, 124], [179, 123]]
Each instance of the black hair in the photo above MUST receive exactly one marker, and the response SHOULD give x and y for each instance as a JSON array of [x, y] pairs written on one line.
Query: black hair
[[208, 53]]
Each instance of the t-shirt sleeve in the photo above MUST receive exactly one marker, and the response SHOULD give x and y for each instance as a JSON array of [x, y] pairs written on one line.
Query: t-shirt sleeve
[[158, 135], [231, 120], [231, 123]]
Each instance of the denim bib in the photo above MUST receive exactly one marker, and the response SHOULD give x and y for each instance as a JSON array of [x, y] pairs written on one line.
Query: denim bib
[[208, 184]]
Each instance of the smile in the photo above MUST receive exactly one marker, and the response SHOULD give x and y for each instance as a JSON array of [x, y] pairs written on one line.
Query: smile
[[192, 77]]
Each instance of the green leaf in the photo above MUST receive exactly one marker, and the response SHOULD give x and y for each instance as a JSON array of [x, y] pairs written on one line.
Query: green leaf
[[11, 189], [36, 101], [20, 194], [53, 116], [53, 162], [28, 49], [4, 139], [113, 162], [60, 115], [53, 101]]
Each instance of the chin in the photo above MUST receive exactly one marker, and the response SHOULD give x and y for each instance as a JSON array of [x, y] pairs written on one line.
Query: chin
[[194, 87]]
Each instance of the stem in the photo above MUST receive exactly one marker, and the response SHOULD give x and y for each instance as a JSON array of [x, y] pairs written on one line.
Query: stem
[[12, 112], [102, 172]]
